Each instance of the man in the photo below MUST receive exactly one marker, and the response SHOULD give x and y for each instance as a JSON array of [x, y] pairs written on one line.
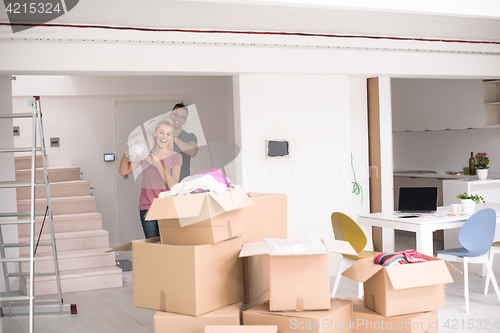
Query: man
[[184, 143]]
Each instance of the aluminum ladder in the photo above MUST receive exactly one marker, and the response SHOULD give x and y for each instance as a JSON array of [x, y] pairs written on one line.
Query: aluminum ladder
[[17, 304]]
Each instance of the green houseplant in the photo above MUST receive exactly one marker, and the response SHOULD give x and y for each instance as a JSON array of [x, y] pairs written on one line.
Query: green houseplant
[[474, 197], [469, 201]]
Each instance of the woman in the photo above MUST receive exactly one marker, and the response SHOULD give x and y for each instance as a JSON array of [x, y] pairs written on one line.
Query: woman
[[160, 171]]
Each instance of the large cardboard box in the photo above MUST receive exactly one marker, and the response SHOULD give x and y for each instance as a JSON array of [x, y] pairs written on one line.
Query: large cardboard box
[[202, 218], [187, 279], [298, 282], [403, 289], [368, 321], [241, 329], [267, 217], [337, 319], [167, 322]]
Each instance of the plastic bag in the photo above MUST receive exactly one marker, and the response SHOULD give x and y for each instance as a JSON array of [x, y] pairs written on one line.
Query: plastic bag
[[307, 245]]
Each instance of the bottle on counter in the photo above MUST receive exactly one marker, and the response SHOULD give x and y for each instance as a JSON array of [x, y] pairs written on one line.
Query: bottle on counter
[[472, 164]]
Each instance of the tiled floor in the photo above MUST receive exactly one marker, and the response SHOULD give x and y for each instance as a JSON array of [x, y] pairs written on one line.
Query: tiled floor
[[111, 310]]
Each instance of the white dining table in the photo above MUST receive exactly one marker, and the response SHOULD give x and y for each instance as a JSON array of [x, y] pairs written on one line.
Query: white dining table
[[422, 226]]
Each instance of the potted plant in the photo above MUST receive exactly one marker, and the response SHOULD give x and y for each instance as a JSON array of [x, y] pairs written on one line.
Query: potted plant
[[469, 201], [482, 162]]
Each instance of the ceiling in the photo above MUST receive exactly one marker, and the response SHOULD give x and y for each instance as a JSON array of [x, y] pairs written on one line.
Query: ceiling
[[195, 15]]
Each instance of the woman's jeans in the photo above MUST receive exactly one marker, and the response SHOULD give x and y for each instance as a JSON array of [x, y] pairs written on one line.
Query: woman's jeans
[[150, 227]]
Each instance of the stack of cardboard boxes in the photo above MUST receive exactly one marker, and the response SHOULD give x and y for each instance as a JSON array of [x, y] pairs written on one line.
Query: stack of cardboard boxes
[[201, 276], [405, 298], [192, 273]]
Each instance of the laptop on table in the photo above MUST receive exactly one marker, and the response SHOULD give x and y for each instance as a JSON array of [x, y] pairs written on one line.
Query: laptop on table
[[417, 201]]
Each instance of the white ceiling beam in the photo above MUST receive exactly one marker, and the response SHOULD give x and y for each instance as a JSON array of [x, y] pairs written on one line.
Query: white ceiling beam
[[459, 8]]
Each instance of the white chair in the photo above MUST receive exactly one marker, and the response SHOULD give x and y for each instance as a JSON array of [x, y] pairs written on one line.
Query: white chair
[[495, 248]]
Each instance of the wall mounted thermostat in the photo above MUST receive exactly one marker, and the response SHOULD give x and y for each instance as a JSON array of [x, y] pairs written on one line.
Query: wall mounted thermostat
[[277, 148], [54, 142], [109, 157]]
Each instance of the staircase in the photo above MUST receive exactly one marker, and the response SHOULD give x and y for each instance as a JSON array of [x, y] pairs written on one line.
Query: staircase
[[81, 242]]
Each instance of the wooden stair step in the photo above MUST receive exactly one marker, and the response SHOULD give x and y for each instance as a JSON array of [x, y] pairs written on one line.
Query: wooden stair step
[[56, 174], [65, 223], [76, 280], [61, 189], [70, 241], [63, 205], [71, 260], [24, 161]]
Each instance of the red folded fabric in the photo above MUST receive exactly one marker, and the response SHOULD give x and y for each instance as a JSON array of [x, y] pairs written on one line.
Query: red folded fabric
[[399, 258], [412, 256]]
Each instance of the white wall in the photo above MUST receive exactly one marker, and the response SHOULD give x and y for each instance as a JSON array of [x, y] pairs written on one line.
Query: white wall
[[313, 112], [7, 173], [445, 150], [359, 144], [81, 111]]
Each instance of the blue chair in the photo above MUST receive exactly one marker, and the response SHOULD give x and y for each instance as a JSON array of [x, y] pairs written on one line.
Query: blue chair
[[476, 237]]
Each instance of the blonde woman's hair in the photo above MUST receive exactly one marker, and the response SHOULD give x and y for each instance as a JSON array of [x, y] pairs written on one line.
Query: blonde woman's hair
[[169, 123]]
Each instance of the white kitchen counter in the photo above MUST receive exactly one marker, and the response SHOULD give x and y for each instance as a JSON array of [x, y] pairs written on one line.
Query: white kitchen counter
[[489, 189]]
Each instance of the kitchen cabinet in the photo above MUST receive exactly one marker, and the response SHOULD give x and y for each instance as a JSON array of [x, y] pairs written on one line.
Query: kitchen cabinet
[[491, 106], [436, 104]]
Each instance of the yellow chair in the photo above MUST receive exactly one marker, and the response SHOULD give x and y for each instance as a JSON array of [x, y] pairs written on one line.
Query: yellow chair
[[346, 229], [495, 248]]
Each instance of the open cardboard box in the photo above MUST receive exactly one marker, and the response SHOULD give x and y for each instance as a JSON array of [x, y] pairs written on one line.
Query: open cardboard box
[[186, 279], [403, 289], [167, 322], [201, 218], [241, 329], [337, 319], [368, 321], [298, 282]]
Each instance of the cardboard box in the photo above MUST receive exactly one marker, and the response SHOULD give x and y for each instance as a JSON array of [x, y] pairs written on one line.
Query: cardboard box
[[256, 280], [267, 217], [298, 282], [167, 322], [186, 279], [202, 218], [403, 289], [368, 321], [337, 319], [241, 329]]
